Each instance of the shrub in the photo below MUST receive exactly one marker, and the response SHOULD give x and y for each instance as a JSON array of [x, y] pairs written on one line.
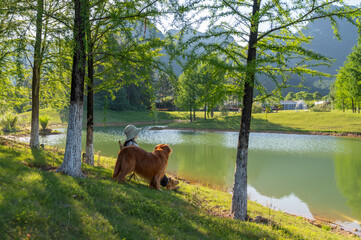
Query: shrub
[[257, 108], [9, 122], [44, 121], [321, 108]]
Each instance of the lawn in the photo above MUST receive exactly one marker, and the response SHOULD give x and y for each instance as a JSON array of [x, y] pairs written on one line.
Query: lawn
[[37, 203], [283, 121]]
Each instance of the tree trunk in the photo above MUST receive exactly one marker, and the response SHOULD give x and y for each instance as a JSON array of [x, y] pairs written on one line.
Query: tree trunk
[[89, 155], [194, 114], [34, 135], [190, 112], [205, 111], [239, 198], [343, 105], [352, 106], [212, 113], [72, 157]]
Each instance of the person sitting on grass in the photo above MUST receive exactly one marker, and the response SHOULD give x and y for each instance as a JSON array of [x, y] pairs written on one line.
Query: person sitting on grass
[[131, 132]]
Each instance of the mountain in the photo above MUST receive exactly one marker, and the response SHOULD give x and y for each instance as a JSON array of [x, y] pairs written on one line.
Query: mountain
[[178, 70], [324, 42]]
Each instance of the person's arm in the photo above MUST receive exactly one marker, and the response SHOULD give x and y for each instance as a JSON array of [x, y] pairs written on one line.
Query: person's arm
[[133, 143]]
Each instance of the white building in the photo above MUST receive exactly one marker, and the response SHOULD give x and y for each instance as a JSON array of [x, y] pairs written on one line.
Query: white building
[[320, 103], [293, 105]]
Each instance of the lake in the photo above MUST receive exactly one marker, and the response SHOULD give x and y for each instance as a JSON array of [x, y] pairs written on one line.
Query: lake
[[306, 175]]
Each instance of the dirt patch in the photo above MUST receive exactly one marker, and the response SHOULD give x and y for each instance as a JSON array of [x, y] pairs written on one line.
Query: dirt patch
[[44, 167], [44, 132]]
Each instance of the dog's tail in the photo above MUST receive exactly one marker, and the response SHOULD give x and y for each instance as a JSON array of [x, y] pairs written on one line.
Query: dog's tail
[[118, 165]]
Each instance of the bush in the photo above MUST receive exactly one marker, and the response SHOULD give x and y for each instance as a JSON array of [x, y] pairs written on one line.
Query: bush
[[257, 108], [321, 108], [44, 121], [9, 122]]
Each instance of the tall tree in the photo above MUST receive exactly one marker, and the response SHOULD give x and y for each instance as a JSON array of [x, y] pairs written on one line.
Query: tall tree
[[268, 45], [348, 80], [188, 91], [34, 136], [72, 157], [118, 45], [89, 145]]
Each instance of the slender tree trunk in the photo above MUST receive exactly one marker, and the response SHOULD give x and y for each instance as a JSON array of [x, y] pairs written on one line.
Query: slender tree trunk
[[194, 114], [205, 111], [190, 113], [212, 113], [35, 88], [89, 159], [72, 157], [239, 198], [358, 107], [353, 106], [343, 105]]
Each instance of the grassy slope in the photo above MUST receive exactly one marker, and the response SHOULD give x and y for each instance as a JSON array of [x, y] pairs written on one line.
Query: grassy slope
[[39, 204], [335, 121]]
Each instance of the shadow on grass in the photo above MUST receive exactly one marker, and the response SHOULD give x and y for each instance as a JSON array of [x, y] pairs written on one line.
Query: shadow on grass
[[38, 204], [258, 124], [233, 123]]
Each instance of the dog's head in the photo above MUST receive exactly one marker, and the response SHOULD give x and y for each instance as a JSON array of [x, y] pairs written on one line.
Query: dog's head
[[163, 147]]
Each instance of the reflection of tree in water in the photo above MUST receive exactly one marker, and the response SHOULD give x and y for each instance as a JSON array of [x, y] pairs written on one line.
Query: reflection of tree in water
[[348, 177]]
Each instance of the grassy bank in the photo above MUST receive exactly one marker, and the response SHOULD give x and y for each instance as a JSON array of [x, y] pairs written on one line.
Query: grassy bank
[[37, 203], [283, 121]]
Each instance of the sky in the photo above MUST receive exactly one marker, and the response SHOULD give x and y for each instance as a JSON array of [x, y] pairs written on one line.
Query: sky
[[203, 27]]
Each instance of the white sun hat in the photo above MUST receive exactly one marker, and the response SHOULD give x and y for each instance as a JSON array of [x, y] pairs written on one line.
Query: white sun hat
[[131, 132]]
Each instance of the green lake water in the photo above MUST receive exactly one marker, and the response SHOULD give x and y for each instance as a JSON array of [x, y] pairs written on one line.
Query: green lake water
[[307, 175]]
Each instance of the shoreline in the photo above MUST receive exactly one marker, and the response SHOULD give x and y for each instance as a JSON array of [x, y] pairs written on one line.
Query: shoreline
[[317, 221], [336, 134]]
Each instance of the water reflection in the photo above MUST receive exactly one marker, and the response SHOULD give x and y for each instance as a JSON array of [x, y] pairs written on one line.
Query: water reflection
[[348, 178], [301, 174]]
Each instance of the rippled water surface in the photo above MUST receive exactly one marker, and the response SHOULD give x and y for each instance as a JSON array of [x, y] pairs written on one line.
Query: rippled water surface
[[307, 175]]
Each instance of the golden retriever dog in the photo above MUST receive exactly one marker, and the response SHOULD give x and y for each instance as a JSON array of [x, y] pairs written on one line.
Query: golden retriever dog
[[149, 165]]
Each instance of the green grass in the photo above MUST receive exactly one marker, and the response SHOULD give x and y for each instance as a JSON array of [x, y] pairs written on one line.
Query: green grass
[[41, 204], [284, 121]]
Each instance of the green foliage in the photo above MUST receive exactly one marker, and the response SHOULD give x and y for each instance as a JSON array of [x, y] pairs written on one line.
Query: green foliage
[[317, 96], [202, 86], [304, 95], [290, 96], [9, 122], [257, 107], [326, 227], [321, 108], [44, 121], [347, 87]]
